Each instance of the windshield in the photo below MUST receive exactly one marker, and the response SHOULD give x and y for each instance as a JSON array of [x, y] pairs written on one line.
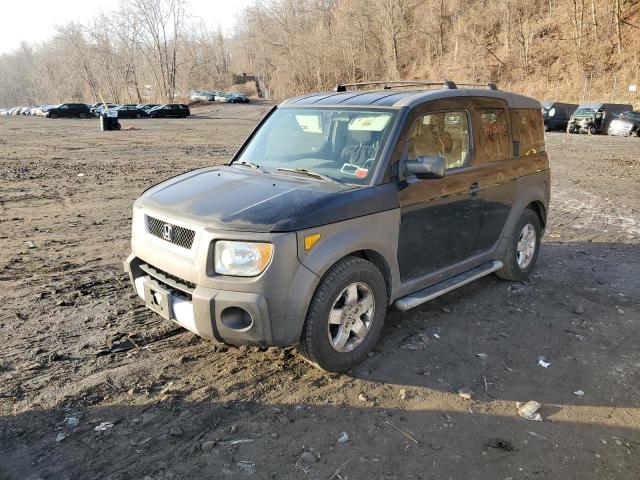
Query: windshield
[[632, 116], [344, 145], [584, 111]]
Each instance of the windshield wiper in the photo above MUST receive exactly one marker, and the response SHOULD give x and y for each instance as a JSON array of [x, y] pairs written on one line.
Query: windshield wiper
[[248, 164], [307, 172]]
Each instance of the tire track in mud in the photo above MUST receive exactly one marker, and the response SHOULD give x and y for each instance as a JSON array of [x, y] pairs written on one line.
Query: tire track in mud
[[589, 217]]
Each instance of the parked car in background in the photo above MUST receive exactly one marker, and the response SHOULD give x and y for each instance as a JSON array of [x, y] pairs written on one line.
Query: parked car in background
[[170, 110], [237, 98], [79, 110], [147, 106], [130, 111], [201, 96], [556, 115], [626, 125], [595, 117], [41, 110], [97, 108]]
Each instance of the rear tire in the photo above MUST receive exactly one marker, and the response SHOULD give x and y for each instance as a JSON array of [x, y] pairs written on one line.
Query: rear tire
[[523, 249], [345, 316]]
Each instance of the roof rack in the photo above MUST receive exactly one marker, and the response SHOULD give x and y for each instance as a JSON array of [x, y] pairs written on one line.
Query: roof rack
[[388, 84], [488, 85]]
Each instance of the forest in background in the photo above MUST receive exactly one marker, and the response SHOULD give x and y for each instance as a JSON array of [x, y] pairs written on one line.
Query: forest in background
[[151, 50]]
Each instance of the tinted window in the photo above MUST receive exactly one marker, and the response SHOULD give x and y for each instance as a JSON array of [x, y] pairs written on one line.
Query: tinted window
[[528, 129], [443, 133], [493, 134]]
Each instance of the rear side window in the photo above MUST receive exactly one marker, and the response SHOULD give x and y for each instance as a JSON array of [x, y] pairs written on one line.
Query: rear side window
[[493, 134], [442, 133], [528, 130]]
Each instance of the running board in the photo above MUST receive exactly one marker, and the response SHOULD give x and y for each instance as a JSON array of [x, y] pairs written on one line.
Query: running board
[[434, 291]]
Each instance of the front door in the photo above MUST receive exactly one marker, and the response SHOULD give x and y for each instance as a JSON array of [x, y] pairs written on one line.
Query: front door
[[440, 218]]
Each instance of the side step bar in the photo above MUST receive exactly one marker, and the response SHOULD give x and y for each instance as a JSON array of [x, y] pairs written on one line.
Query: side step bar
[[434, 291]]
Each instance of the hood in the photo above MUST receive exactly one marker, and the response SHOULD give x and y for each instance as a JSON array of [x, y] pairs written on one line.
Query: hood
[[241, 199]]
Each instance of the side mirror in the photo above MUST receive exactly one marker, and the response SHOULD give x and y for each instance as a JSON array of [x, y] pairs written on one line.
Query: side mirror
[[426, 167]]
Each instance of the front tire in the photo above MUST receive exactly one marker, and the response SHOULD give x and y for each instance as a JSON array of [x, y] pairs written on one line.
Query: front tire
[[524, 247], [345, 316]]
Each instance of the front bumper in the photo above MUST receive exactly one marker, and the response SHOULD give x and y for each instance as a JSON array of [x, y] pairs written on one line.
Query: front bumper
[[269, 309], [200, 309]]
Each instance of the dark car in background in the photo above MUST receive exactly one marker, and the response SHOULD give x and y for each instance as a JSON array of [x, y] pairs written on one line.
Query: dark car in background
[[595, 117], [178, 110], [147, 106], [131, 111], [78, 110], [556, 115], [625, 125]]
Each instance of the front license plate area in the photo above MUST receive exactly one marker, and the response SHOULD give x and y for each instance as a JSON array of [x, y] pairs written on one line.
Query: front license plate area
[[158, 299]]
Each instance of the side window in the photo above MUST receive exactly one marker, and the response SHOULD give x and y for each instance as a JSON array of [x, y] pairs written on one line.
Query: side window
[[65, 106], [442, 133], [493, 134], [528, 129]]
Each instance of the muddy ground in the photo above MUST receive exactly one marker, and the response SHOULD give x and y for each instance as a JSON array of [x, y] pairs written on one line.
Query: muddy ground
[[173, 406]]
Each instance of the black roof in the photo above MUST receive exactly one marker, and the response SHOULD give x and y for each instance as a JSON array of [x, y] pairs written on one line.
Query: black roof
[[404, 98]]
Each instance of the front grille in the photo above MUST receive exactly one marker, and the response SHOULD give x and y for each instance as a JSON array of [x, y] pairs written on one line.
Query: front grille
[[183, 237], [172, 283]]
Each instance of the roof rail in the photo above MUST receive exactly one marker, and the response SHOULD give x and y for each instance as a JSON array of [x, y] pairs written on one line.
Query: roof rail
[[488, 85], [388, 84]]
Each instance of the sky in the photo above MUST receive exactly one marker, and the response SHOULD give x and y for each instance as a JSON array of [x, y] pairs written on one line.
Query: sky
[[34, 21]]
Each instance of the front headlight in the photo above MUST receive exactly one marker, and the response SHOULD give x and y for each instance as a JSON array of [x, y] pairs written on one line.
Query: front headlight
[[242, 259]]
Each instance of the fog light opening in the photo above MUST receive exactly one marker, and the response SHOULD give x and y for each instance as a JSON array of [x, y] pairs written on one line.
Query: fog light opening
[[236, 318]]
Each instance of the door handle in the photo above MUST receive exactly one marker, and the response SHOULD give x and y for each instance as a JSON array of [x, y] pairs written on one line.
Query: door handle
[[474, 188]]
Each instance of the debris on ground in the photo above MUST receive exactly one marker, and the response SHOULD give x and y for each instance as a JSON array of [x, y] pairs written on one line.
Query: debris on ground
[[579, 393], [543, 363], [119, 346], [465, 393], [29, 244], [60, 437], [538, 436], [406, 434], [104, 426], [404, 394], [414, 343], [344, 438], [247, 467], [482, 355], [208, 445], [529, 411], [71, 422], [364, 398], [501, 444]]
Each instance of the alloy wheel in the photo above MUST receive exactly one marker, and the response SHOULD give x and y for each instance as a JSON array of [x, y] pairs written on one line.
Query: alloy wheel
[[526, 246], [351, 317]]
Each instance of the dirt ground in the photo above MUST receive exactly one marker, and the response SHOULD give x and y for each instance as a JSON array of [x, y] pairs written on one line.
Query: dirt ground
[[169, 405]]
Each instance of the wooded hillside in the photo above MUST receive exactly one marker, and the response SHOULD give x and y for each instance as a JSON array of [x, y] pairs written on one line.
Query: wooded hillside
[[150, 50]]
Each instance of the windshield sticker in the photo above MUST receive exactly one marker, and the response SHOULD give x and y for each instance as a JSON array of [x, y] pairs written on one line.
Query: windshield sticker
[[375, 123], [349, 169], [362, 172]]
